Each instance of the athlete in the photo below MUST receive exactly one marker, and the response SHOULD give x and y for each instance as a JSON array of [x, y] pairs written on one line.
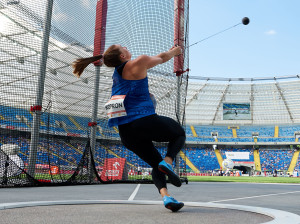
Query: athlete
[[132, 109]]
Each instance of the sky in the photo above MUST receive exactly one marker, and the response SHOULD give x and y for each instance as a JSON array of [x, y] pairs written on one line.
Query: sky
[[268, 47]]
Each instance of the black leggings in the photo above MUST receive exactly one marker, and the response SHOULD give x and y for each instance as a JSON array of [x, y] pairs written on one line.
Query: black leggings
[[138, 135]]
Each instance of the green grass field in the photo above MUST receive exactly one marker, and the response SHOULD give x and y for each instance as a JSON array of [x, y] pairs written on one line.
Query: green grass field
[[245, 179], [287, 180]]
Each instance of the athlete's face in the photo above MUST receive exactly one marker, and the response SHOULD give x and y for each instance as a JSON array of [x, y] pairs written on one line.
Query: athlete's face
[[125, 54]]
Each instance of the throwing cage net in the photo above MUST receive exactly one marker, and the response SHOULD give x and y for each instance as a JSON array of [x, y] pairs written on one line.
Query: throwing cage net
[[53, 125]]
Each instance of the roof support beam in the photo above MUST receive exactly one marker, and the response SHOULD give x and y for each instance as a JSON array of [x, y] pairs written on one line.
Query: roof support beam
[[284, 101], [196, 93], [220, 102]]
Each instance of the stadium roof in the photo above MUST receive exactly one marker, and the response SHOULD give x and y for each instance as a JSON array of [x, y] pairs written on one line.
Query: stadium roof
[[270, 100]]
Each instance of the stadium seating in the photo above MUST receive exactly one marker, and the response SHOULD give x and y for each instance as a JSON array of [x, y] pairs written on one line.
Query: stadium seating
[[244, 133], [50, 124], [78, 126], [286, 131], [223, 131], [203, 158], [60, 153], [275, 159]]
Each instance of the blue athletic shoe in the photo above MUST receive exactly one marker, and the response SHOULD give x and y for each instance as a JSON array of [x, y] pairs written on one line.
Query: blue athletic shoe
[[167, 169], [172, 203]]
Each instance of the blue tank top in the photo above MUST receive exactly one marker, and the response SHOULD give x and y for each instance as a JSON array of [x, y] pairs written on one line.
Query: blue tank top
[[137, 103]]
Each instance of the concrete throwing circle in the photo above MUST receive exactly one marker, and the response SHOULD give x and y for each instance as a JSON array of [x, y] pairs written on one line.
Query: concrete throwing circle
[[109, 211]]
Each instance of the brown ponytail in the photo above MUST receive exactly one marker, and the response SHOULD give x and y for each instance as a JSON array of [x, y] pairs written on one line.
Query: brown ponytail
[[111, 58], [81, 63]]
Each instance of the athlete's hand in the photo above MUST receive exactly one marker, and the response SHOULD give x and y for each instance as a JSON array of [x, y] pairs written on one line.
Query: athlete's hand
[[176, 50]]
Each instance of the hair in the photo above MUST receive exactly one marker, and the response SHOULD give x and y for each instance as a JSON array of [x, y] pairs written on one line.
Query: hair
[[111, 58]]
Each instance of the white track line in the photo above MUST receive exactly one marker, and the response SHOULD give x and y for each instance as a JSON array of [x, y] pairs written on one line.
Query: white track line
[[134, 193], [278, 216], [258, 196]]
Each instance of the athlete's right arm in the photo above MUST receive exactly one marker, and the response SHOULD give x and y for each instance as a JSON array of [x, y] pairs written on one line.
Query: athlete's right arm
[[137, 68], [152, 61]]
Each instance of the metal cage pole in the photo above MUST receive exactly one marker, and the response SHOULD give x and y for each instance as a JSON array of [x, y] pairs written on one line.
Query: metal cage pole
[[94, 117], [39, 92], [178, 101], [178, 60], [99, 44]]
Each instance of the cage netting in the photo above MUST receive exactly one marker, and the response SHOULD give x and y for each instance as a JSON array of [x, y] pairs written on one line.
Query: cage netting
[[50, 142]]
